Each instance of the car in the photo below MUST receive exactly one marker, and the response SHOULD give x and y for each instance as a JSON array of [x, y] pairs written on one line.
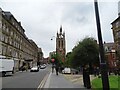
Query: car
[[66, 71], [34, 69], [74, 71], [42, 66], [45, 65]]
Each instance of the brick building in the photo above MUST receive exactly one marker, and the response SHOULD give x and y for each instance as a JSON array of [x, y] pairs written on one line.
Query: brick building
[[110, 55]]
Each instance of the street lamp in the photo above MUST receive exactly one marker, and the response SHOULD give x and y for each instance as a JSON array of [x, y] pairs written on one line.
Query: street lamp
[[104, 74], [52, 37]]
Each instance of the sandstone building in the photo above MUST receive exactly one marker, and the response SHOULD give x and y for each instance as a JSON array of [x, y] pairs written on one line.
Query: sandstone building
[[61, 45], [14, 43]]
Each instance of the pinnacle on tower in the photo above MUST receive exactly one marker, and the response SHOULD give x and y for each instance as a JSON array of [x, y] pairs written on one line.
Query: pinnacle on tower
[[61, 29]]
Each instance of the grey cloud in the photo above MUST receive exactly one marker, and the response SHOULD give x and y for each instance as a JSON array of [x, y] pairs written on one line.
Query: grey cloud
[[41, 20], [77, 13]]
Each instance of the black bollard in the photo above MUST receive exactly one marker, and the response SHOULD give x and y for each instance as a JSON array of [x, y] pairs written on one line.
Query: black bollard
[[88, 84], [86, 77]]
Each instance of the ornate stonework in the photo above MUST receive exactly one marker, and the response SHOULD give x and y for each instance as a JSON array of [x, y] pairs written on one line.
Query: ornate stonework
[[60, 45]]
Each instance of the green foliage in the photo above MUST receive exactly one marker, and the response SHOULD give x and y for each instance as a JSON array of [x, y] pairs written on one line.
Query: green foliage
[[113, 82], [57, 59], [85, 52], [67, 61], [97, 83]]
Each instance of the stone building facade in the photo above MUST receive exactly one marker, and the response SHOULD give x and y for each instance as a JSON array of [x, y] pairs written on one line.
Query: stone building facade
[[116, 35], [116, 32], [40, 56], [14, 43], [61, 45]]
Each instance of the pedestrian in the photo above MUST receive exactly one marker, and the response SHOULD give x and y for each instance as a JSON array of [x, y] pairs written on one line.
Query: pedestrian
[[95, 71], [86, 77], [57, 69], [53, 68]]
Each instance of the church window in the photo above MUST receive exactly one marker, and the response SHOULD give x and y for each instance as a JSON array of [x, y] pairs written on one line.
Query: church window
[[59, 44], [62, 43]]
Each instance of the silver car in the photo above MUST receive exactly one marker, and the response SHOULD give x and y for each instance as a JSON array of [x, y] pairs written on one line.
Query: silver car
[[34, 69]]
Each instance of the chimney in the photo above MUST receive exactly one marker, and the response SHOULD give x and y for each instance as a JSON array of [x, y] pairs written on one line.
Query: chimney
[[19, 23]]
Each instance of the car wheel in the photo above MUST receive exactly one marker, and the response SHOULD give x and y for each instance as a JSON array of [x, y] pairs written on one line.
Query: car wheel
[[3, 74]]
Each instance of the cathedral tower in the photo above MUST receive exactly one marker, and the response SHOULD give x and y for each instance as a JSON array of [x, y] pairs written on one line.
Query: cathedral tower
[[60, 45]]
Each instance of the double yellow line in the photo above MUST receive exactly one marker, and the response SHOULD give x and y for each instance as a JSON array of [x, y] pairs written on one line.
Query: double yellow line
[[43, 82]]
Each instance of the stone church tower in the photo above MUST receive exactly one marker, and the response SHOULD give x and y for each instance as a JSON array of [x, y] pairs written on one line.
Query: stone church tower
[[60, 45]]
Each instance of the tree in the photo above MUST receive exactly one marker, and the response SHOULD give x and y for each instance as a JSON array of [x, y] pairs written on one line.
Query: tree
[[57, 59], [85, 52], [67, 61]]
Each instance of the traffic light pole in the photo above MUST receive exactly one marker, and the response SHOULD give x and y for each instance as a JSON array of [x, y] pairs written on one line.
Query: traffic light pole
[[104, 73]]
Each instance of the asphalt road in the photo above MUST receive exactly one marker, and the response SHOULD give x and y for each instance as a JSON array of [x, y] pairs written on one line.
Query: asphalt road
[[25, 79]]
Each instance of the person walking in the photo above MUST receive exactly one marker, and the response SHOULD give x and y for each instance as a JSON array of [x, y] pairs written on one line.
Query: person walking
[[57, 69], [53, 66]]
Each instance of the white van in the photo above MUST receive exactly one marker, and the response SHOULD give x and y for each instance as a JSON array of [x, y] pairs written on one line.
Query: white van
[[6, 65]]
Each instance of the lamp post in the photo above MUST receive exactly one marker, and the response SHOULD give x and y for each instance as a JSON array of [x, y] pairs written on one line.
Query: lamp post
[[104, 74], [53, 51], [52, 37]]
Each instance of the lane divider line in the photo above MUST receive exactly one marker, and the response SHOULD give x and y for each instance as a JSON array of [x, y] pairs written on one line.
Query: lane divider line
[[43, 81]]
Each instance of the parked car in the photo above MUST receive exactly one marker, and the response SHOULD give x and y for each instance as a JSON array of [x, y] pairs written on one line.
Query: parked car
[[66, 71], [74, 71], [34, 69], [43, 66]]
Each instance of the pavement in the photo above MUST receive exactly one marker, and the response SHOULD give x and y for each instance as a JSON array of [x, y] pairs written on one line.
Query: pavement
[[64, 81]]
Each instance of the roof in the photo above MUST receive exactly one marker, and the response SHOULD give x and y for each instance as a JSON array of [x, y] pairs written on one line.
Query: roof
[[111, 44], [116, 20], [109, 47]]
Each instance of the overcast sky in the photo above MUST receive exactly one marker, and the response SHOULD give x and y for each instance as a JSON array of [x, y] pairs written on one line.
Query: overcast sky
[[41, 20]]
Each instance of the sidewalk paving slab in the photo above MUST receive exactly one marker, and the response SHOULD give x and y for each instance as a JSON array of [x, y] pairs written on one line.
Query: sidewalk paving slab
[[60, 81]]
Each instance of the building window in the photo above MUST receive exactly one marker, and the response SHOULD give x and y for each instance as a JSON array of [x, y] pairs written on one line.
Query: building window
[[13, 22], [62, 43], [4, 49], [11, 33], [0, 50], [0, 24], [59, 43], [117, 24], [6, 39], [10, 41], [0, 37], [11, 52], [3, 26], [3, 37], [118, 34], [7, 29], [113, 56]]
